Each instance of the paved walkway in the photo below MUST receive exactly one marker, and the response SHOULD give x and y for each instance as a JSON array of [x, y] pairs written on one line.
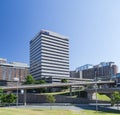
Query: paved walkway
[[67, 106], [44, 106]]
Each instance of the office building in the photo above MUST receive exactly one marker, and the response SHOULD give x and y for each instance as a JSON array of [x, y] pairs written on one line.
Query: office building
[[9, 71], [49, 55], [117, 78], [104, 70]]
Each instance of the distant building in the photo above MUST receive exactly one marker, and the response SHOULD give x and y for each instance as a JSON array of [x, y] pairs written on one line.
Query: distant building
[[84, 67], [104, 70], [117, 78], [49, 55], [9, 71], [76, 74], [2, 60]]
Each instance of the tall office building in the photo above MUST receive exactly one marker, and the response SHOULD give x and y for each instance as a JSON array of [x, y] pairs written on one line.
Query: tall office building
[[49, 55]]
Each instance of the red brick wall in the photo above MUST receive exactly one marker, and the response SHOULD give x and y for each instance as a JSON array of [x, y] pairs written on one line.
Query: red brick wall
[[21, 73]]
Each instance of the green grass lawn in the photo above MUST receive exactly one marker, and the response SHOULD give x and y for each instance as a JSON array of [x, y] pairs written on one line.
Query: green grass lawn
[[74, 95], [57, 93], [17, 111], [66, 93], [103, 97]]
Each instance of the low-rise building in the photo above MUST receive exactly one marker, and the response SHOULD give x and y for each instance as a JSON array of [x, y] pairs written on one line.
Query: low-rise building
[[9, 71], [104, 71], [117, 78]]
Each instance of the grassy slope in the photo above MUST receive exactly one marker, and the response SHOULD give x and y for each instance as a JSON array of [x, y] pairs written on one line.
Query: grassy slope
[[10, 111], [67, 93], [99, 96], [103, 97]]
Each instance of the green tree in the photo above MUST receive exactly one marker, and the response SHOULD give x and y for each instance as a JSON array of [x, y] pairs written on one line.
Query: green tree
[[8, 98], [1, 93], [29, 79], [51, 99], [64, 81], [115, 98], [3, 99], [11, 98], [40, 81], [41, 90]]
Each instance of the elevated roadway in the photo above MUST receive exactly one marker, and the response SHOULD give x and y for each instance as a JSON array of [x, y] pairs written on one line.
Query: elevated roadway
[[82, 83], [105, 90], [26, 87]]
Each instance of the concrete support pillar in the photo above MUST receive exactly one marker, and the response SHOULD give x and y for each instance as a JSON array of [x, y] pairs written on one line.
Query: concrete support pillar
[[70, 90], [25, 94], [90, 96]]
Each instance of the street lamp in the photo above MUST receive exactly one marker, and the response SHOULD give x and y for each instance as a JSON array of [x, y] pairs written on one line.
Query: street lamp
[[17, 80], [96, 96], [96, 89]]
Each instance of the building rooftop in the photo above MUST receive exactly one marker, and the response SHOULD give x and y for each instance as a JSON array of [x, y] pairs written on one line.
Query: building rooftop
[[13, 64], [101, 64], [48, 32]]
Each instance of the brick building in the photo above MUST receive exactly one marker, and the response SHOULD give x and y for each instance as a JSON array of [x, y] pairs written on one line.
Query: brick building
[[104, 70], [9, 71]]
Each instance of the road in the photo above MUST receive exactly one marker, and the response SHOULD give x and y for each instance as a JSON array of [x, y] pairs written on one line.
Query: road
[[68, 106]]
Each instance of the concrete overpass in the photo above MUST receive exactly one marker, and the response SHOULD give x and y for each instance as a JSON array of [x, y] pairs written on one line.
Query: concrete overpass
[[26, 87], [83, 83], [105, 90]]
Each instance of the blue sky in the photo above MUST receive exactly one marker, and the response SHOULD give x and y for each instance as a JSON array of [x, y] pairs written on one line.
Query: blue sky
[[93, 28]]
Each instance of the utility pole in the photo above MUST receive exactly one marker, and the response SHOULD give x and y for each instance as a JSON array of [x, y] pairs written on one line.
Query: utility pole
[[96, 89], [17, 80]]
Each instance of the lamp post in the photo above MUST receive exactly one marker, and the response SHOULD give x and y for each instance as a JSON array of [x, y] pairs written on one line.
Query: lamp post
[[17, 81], [96, 96], [96, 90]]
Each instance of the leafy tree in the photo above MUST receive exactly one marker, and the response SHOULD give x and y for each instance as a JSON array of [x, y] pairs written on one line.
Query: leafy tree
[[1, 93], [8, 98], [64, 81], [115, 98], [29, 79], [41, 90], [51, 99], [40, 82], [3, 99], [11, 98]]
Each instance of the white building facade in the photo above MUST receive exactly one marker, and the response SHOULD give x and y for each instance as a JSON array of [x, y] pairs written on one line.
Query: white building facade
[[49, 55]]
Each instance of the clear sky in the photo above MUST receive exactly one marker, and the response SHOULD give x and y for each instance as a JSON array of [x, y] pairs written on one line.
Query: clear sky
[[93, 28]]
